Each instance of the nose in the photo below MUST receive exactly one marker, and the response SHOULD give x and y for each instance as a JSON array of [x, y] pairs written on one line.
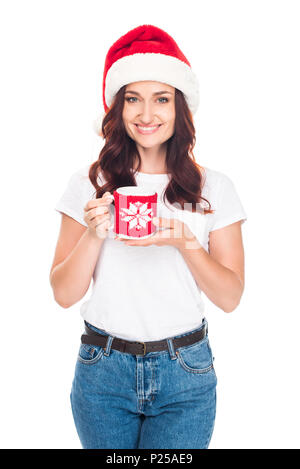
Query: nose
[[146, 115]]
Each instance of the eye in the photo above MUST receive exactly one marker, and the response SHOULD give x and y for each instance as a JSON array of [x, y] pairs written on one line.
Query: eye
[[132, 97]]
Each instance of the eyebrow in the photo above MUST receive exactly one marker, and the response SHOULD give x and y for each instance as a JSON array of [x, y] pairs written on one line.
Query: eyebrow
[[154, 94]]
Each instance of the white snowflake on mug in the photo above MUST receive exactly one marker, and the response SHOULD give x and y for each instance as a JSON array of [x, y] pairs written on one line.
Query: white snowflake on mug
[[137, 215]]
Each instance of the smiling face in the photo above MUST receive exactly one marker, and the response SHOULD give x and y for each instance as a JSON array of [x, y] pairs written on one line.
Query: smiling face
[[149, 112]]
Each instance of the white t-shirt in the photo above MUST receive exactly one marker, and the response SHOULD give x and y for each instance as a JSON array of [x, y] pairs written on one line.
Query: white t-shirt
[[146, 293]]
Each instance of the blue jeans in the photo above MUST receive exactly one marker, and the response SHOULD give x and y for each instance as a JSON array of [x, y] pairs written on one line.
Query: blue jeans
[[157, 401]]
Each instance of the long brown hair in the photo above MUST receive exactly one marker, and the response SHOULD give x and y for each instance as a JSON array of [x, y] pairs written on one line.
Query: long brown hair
[[117, 157]]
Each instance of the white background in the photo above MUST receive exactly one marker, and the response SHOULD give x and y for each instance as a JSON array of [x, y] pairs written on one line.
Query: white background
[[246, 55]]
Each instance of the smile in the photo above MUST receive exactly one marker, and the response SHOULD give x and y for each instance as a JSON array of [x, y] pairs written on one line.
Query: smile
[[147, 130]]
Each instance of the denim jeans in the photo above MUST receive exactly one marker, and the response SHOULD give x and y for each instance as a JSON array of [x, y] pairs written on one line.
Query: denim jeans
[[157, 401]]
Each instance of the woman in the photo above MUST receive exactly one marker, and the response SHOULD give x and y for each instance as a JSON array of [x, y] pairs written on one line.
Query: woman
[[144, 375]]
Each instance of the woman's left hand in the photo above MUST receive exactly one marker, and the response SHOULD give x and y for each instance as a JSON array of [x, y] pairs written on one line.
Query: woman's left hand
[[175, 233]]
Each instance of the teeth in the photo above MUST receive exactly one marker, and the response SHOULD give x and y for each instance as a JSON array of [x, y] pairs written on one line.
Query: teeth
[[148, 128]]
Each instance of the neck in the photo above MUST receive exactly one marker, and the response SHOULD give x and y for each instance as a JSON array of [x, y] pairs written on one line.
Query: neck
[[153, 160]]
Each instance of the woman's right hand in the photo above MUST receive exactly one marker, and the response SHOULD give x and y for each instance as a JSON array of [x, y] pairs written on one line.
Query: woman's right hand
[[97, 215]]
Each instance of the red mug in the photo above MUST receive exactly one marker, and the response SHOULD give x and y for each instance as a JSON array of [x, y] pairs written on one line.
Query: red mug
[[134, 211]]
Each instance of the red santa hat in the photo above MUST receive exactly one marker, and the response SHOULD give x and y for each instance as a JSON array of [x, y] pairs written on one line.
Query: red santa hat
[[147, 53]]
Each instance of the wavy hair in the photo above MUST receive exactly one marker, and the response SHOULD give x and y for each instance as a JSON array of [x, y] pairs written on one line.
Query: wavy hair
[[117, 157]]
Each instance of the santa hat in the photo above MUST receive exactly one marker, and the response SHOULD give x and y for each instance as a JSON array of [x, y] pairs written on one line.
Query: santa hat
[[147, 53]]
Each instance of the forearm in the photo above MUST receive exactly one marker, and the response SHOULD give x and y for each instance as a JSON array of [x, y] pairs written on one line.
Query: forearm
[[220, 284], [71, 278]]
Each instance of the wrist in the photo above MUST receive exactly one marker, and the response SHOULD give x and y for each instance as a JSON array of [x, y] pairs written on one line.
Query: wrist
[[93, 236]]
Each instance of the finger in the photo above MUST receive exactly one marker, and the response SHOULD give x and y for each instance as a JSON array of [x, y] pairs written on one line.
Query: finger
[[108, 195], [94, 212], [134, 243], [164, 222], [102, 227], [103, 223], [92, 220], [99, 220], [141, 242], [168, 233], [102, 230], [91, 215], [98, 202]]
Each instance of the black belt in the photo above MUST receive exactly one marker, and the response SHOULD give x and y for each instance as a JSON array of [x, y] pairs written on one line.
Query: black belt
[[140, 348]]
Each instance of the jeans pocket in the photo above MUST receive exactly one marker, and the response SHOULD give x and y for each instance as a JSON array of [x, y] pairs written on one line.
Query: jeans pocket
[[196, 358], [89, 354]]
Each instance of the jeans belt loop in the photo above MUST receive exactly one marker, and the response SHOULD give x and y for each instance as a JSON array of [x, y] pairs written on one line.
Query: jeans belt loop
[[144, 349], [107, 347], [170, 343]]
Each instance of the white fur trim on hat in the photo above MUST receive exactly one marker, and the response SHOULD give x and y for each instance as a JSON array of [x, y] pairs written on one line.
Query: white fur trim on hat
[[153, 67]]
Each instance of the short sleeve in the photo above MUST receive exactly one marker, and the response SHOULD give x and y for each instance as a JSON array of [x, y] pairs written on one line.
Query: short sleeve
[[78, 192], [229, 208]]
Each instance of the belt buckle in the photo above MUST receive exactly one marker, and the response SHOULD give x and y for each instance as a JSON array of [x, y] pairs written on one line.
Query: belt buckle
[[144, 345]]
